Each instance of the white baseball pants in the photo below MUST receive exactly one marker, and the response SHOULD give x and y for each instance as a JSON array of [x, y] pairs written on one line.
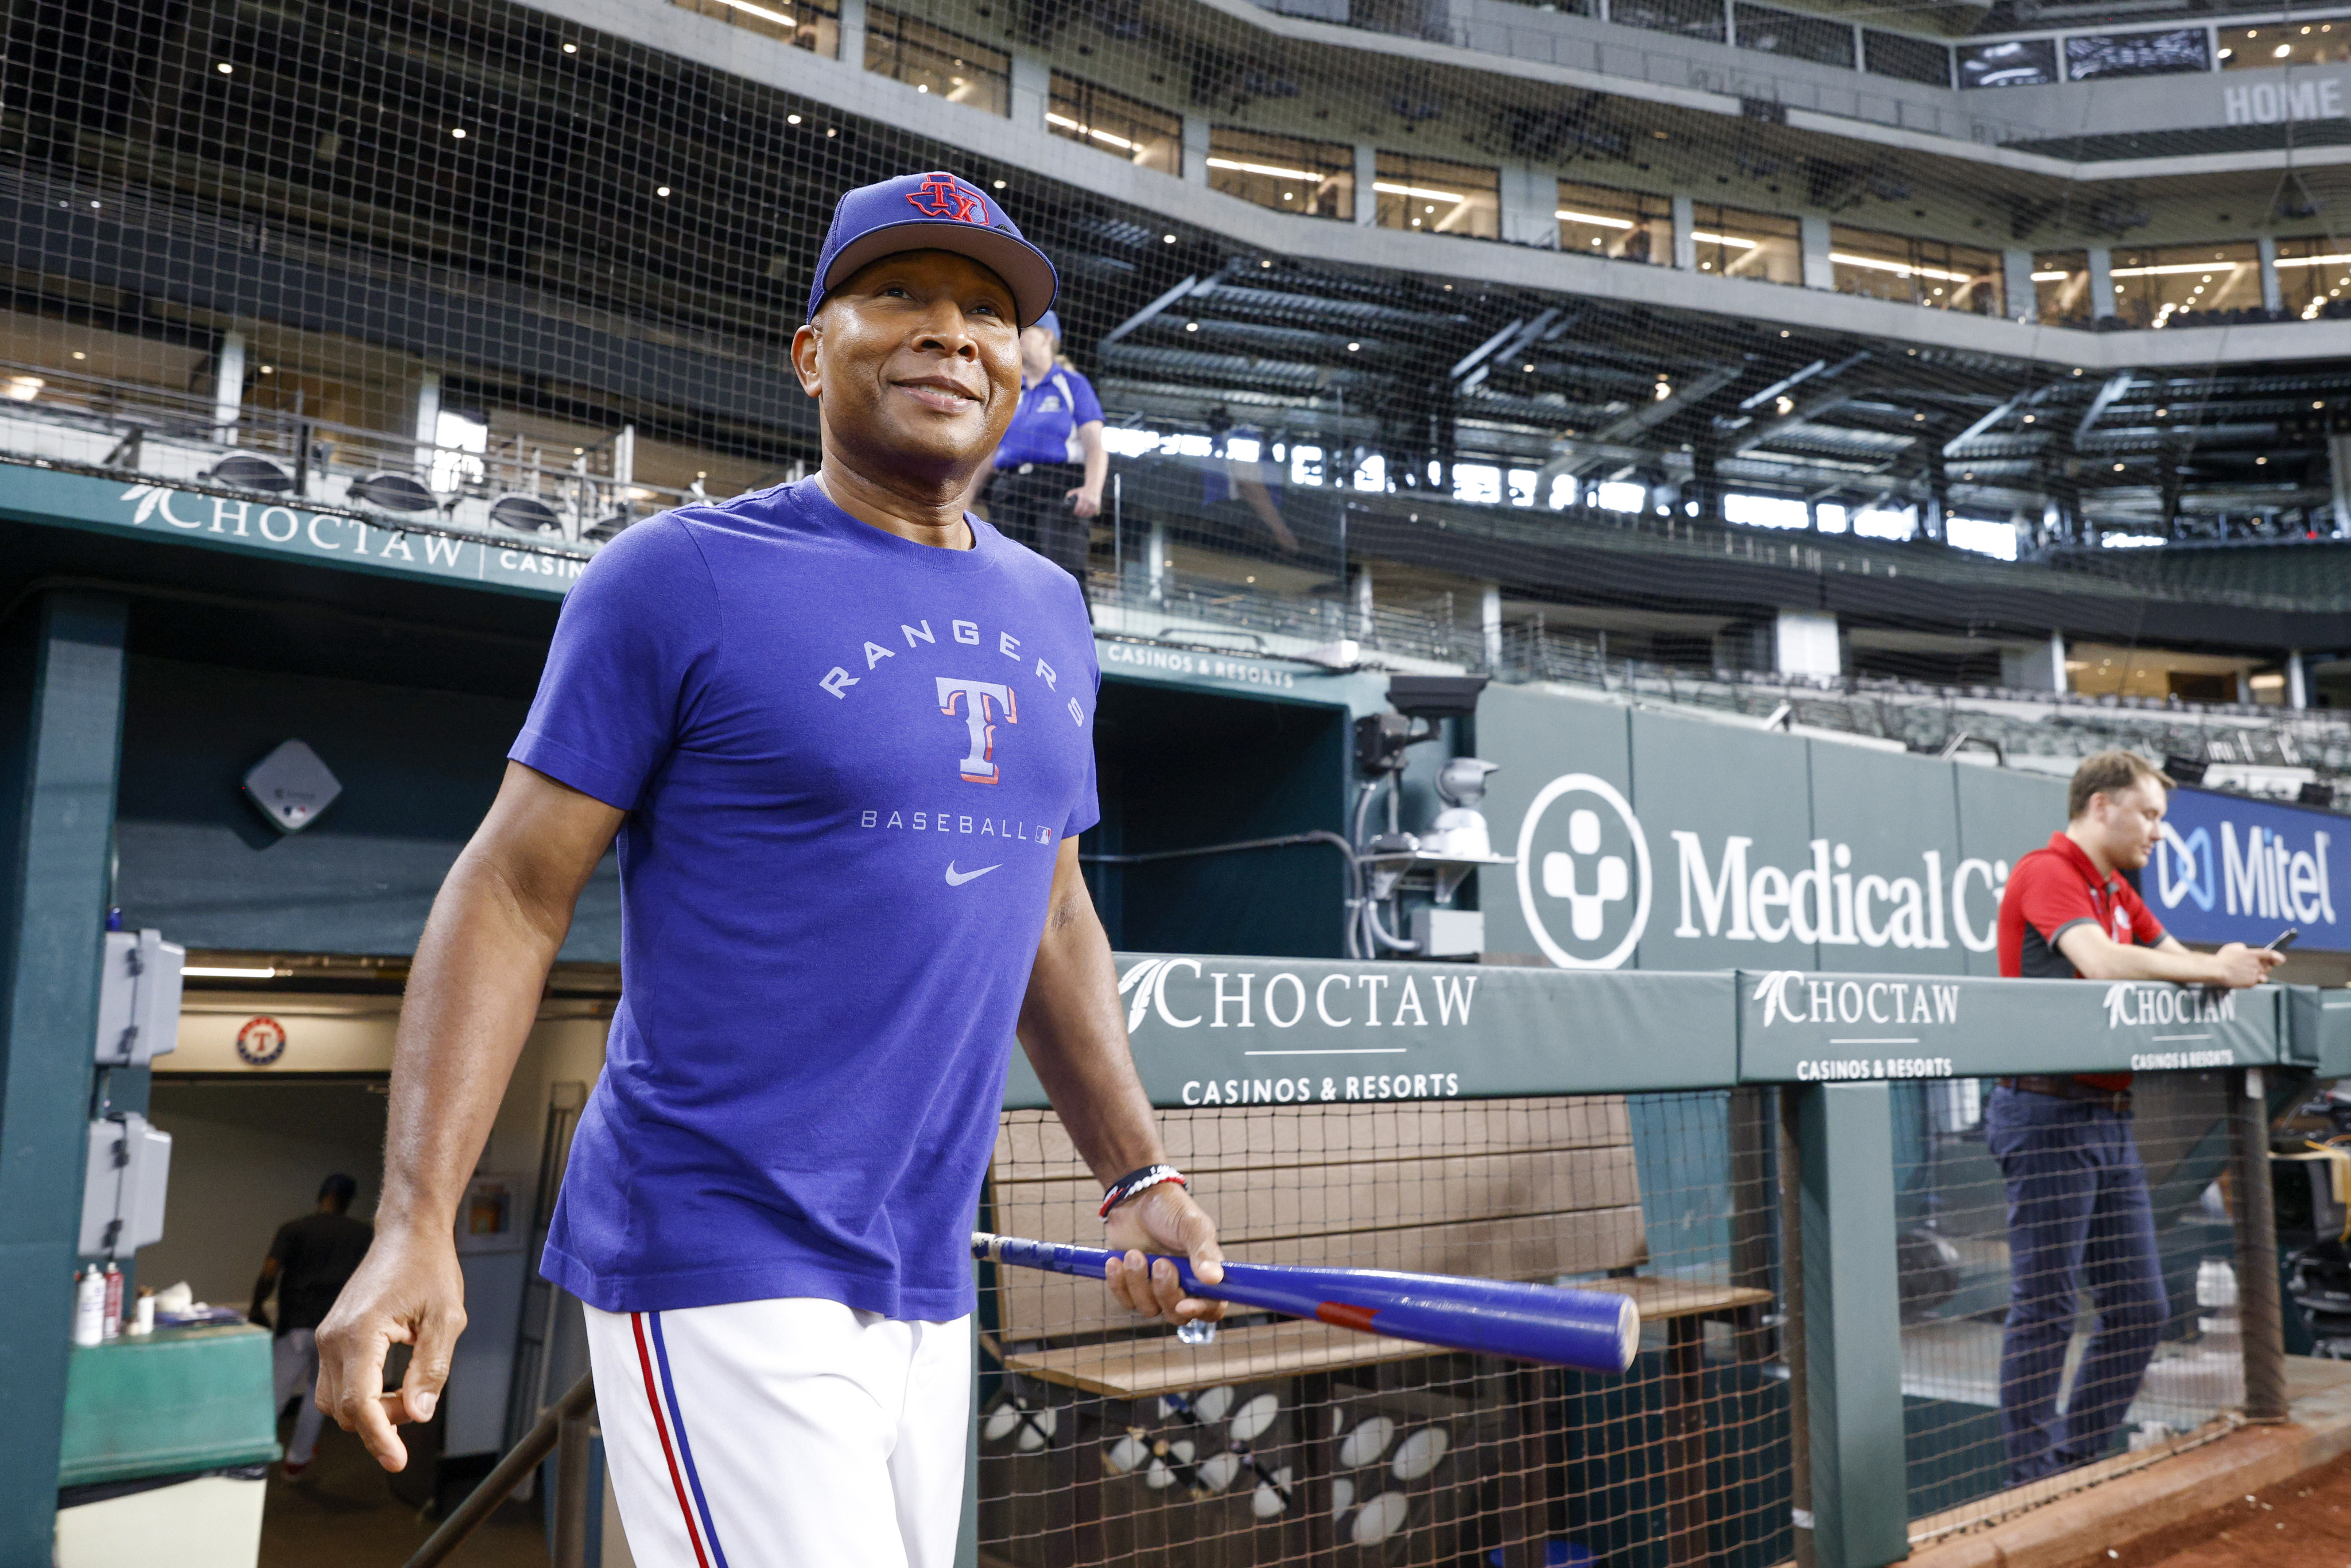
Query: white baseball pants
[[784, 1434], [294, 1373]]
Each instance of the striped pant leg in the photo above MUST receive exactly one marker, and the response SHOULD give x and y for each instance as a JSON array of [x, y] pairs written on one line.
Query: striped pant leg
[[783, 1434]]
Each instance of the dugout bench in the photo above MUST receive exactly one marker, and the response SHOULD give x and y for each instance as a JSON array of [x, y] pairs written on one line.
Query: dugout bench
[[1501, 1188]]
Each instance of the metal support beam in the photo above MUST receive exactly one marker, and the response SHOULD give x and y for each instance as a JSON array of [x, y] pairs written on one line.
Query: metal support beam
[[1853, 1325], [1951, 448], [61, 684], [2258, 1308], [1757, 436], [1148, 311], [2098, 404]]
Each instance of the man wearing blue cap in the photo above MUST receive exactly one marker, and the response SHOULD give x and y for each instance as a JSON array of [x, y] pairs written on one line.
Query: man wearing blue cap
[[842, 733], [1048, 484]]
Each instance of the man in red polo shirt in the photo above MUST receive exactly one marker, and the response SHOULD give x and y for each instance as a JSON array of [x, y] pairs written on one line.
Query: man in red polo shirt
[[2077, 1200]]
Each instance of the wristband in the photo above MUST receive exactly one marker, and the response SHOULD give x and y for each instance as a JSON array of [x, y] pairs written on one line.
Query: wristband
[[1134, 1182]]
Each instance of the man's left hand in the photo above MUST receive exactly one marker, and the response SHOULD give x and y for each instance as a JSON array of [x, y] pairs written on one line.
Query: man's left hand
[[1084, 502], [1162, 1221]]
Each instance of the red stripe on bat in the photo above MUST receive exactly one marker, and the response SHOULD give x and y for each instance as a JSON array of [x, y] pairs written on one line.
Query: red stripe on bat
[[1341, 1315]]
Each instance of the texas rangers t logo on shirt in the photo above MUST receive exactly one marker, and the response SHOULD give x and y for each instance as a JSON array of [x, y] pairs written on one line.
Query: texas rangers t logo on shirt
[[979, 768], [942, 197]]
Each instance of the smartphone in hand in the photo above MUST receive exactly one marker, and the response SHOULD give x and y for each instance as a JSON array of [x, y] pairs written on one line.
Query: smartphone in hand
[[2285, 939]]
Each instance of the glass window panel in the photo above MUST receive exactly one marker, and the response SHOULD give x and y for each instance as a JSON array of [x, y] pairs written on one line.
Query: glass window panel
[[2060, 285], [1933, 273], [1907, 58], [2286, 44], [1288, 174], [1436, 196], [2314, 276], [1814, 38], [1621, 226], [812, 25], [2018, 62], [1731, 243], [1142, 133], [2098, 57], [1690, 19], [934, 60], [2165, 286]]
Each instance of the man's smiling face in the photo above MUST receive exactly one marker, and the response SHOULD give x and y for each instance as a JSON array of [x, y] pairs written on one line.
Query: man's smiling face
[[917, 362]]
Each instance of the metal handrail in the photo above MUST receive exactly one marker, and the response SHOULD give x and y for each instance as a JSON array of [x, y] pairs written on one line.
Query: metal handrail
[[564, 1425]]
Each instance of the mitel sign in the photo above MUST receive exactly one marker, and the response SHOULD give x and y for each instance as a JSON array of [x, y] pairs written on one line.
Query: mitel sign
[[2231, 870]]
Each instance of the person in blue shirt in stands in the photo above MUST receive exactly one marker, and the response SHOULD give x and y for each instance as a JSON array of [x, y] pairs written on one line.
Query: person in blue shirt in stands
[[1047, 488]]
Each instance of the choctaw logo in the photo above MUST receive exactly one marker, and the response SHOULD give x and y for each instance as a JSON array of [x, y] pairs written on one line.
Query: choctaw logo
[[2130, 1005], [941, 196], [261, 1041]]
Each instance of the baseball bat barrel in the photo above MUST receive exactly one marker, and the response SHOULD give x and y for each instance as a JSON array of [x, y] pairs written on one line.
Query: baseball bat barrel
[[1593, 1331]]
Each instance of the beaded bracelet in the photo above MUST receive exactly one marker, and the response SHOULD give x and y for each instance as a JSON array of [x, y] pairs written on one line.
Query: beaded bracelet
[[1134, 1182]]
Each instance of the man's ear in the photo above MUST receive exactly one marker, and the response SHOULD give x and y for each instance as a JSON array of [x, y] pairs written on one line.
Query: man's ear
[[806, 344]]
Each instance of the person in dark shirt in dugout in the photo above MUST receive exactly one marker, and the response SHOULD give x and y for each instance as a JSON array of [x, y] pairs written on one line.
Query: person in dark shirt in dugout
[[2079, 1214], [308, 1262]]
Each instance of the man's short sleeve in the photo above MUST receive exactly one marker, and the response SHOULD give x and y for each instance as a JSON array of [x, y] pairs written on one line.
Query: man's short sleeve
[[1086, 408], [636, 632], [2146, 931], [1085, 810], [281, 1245], [2051, 897]]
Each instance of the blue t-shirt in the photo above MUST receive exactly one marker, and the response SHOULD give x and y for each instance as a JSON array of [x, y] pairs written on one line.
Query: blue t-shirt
[[1044, 428], [848, 761]]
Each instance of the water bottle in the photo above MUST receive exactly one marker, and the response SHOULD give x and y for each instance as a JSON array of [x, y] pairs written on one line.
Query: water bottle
[[90, 1307]]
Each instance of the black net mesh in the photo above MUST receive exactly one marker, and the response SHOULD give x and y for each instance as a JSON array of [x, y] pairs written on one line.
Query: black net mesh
[[2051, 1320], [480, 267], [1280, 1441]]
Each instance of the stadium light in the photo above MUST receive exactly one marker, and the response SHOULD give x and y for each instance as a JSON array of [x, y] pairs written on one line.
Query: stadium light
[[1731, 240], [1278, 174], [1418, 192], [1903, 268], [1121, 142], [1594, 218]]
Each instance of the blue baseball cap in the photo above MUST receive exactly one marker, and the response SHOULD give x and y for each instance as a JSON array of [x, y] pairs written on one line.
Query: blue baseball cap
[[932, 212], [1049, 322]]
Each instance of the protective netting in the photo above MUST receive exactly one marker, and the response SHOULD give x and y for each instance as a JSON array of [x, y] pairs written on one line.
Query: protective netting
[[1641, 321], [1280, 1441], [2048, 1323]]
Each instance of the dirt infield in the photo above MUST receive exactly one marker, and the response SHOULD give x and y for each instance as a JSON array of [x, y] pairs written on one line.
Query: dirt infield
[[2304, 1523]]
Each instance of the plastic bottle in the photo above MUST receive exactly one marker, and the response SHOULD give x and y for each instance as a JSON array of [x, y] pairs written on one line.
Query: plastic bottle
[[90, 1307], [113, 1326]]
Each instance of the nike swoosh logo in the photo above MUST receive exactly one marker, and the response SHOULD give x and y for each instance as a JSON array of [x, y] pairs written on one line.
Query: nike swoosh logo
[[957, 878]]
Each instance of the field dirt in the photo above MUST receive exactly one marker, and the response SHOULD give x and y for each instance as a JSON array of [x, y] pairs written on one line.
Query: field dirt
[[2304, 1523]]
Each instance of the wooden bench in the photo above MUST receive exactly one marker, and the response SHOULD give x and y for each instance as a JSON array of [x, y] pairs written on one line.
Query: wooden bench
[[1529, 1189]]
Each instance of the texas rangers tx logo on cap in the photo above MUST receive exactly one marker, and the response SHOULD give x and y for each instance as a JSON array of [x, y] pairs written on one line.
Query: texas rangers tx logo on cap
[[934, 211]]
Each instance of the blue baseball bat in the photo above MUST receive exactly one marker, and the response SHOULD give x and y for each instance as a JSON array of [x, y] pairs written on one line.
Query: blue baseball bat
[[1593, 1331]]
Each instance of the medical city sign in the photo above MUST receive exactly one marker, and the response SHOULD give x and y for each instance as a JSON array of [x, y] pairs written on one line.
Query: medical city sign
[[2233, 870], [1590, 888]]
